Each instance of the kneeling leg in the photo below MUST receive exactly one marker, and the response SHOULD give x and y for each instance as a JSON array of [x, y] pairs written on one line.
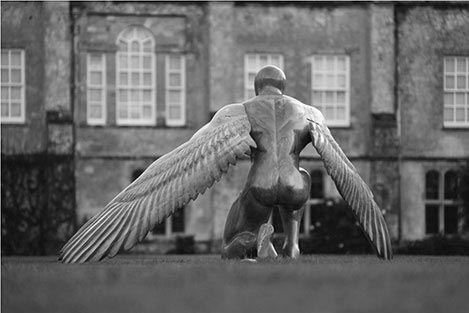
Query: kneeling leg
[[243, 235]]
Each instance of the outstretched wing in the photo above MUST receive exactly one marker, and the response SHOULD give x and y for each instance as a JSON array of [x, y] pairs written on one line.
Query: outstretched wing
[[350, 185], [166, 185]]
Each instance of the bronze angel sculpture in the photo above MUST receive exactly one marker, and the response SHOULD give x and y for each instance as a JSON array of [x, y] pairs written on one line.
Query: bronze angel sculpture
[[271, 129]]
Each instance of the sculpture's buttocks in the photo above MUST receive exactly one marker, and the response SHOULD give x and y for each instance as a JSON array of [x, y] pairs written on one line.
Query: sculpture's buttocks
[[278, 125]]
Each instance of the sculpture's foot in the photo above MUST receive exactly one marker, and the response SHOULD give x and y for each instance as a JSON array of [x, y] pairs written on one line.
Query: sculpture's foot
[[291, 250], [240, 246], [265, 248]]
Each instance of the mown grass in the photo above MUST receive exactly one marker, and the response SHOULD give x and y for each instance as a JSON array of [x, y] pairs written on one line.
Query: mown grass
[[318, 283]]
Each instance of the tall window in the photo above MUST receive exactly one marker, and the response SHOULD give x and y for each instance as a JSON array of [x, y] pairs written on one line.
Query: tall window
[[456, 91], [175, 90], [135, 74], [253, 62], [96, 88], [442, 208], [13, 86], [330, 87]]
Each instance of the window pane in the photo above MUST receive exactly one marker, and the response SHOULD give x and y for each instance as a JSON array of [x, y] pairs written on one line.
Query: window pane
[[5, 76], [431, 219], [123, 95], [175, 79], [449, 63], [449, 82], [251, 59], [461, 65], [135, 79], [431, 185], [340, 98], [251, 77], [95, 61], [5, 109], [96, 78], [123, 61], [329, 97], [134, 111], [330, 81], [460, 114], [146, 95], [174, 97], [263, 61], [15, 58], [123, 78], [15, 109], [449, 114], [318, 63], [460, 98], [451, 219], [275, 60], [329, 64], [16, 76], [4, 93], [451, 185], [340, 113], [4, 58], [16, 93], [174, 112], [134, 46], [461, 82], [147, 79], [123, 111], [95, 111], [341, 64], [147, 62], [341, 81], [134, 95], [146, 111], [329, 113], [134, 62], [174, 63], [95, 95], [318, 80], [449, 98]]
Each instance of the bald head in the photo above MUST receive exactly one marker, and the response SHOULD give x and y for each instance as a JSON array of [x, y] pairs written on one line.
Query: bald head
[[270, 76]]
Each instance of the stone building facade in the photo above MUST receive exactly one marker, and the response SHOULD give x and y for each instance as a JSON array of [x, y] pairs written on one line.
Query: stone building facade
[[110, 87]]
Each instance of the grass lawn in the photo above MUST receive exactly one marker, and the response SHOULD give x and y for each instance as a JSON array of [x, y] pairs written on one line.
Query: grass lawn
[[320, 283]]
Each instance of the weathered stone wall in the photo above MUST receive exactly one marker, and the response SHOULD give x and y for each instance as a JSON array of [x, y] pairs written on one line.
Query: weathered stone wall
[[23, 28], [38, 183], [426, 34]]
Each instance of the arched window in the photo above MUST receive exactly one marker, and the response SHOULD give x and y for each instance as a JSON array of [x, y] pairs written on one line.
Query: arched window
[[135, 77], [432, 184]]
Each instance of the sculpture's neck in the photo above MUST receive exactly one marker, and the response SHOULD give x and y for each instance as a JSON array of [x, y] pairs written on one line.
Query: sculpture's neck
[[269, 90]]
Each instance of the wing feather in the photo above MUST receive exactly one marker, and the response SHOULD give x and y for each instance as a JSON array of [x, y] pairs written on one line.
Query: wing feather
[[350, 185], [167, 184]]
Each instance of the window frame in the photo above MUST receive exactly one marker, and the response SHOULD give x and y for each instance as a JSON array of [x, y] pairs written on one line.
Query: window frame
[[102, 87], [442, 203], [249, 86], [332, 122], [181, 88], [453, 123], [22, 118], [129, 70]]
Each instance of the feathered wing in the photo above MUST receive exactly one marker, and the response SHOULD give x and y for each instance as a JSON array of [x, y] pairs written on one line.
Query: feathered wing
[[353, 189], [166, 185]]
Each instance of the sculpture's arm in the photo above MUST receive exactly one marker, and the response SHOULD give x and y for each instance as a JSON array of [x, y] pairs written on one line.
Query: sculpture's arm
[[166, 185], [353, 189]]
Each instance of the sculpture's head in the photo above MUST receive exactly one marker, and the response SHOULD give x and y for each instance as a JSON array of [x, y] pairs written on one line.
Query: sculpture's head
[[270, 76]]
